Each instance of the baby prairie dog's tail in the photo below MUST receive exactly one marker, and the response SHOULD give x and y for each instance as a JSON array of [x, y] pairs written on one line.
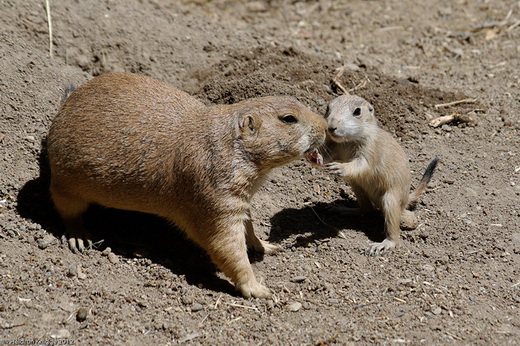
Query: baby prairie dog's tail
[[414, 196]]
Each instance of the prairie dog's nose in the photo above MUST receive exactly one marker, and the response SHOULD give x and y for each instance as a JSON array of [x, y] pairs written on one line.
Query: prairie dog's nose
[[332, 129]]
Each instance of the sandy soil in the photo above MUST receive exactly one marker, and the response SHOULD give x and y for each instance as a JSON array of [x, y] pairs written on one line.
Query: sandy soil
[[456, 277]]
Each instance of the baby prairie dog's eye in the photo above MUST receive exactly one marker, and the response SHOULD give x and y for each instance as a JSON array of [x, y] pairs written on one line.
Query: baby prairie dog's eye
[[289, 119], [357, 112]]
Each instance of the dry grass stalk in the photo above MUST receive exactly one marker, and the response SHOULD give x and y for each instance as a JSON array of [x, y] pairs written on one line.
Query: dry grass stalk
[[241, 306], [441, 105], [49, 23], [339, 73]]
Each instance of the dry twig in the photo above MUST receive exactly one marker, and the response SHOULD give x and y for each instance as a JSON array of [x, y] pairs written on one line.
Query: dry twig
[[441, 105], [323, 222], [455, 117], [339, 73], [241, 306], [49, 23], [513, 26]]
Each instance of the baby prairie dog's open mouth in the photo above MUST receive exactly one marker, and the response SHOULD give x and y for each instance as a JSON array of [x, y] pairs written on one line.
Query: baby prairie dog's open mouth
[[314, 157]]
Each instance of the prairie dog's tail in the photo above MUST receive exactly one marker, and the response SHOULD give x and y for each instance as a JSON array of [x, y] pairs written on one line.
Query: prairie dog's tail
[[415, 194]]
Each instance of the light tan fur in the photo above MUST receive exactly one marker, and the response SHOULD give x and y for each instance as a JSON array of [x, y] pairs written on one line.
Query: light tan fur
[[131, 142], [372, 162]]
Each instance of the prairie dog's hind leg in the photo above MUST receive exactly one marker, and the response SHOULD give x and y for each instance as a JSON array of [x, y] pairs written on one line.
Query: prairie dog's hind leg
[[392, 212], [71, 210], [259, 245]]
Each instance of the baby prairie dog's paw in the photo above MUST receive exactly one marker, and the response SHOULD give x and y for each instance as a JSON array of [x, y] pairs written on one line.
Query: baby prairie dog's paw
[[376, 249], [337, 168], [254, 289]]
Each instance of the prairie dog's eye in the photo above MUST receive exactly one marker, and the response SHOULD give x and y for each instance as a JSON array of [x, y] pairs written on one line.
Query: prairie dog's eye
[[289, 119], [357, 112]]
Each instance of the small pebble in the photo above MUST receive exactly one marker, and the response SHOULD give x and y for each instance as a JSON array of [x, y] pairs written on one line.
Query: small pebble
[[406, 282], [61, 334], [82, 314], [186, 300], [352, 67], [197, 307], [106, 252], [333, 301], [46, 241], [257, 6], [428, 267], [299, 278], [81, 274], [112, 257], [73, 270], [82, 61], [408, 220], [270, 304], [437, 311], [295, 306]]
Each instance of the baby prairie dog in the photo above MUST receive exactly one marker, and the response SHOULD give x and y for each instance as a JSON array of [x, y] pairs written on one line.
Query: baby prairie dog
[[372, 162], [131, 142]]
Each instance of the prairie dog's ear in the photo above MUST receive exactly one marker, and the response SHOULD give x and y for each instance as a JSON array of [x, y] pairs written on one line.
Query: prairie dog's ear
[[249, 125]]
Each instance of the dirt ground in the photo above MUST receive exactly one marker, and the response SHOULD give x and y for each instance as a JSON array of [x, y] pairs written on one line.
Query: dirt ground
[[454, 280]]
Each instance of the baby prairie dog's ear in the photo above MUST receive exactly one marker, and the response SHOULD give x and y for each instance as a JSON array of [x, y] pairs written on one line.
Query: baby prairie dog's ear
[[249, 125]]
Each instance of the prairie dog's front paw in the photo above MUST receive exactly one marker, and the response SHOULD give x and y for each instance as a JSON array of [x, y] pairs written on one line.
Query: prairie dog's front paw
[[254, 289], [376, 249], [336, 168]]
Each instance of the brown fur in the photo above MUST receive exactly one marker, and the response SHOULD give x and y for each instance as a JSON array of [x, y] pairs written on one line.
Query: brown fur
[[131, 142], [373, 163]]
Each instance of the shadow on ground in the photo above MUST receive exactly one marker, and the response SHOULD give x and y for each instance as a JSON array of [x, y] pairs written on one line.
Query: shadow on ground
[[316, 222]]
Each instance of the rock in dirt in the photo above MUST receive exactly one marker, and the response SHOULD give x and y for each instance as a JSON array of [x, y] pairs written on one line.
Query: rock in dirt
[[61, 334], [428, 267], [112, 257], [82, 61], [257, 6], [295, 306], [73, 270], [408, 220], [196, 307], [299, 278], [46, 241]]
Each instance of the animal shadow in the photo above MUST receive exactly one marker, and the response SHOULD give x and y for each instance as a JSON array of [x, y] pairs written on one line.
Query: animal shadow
[[129, 234], [319, 221]]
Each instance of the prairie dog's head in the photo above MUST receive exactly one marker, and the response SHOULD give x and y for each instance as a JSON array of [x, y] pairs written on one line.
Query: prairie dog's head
[[276, 130], [349, 118]]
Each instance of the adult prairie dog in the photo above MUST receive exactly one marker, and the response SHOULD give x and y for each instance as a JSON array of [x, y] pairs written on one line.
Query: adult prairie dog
[[372, 162], [131, 142]]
